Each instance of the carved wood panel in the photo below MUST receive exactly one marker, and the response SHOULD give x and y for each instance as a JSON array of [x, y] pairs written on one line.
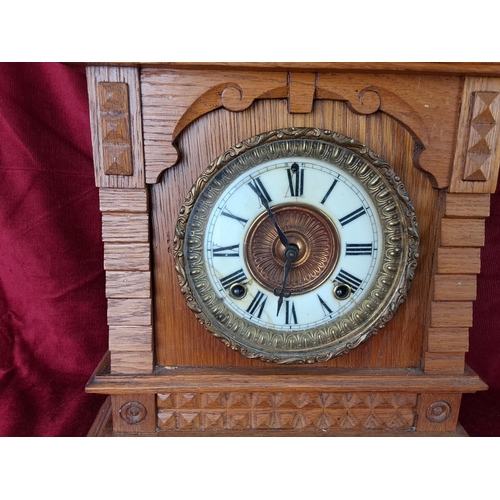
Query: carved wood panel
[[198, 411]]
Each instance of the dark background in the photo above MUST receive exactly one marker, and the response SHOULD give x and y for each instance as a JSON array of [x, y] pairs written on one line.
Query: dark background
[[52, 307]]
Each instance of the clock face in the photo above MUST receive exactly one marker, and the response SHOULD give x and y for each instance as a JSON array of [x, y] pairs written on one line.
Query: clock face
[[296, 246]]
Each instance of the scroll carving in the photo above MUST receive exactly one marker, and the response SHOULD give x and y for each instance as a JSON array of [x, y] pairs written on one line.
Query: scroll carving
[[228, 95]]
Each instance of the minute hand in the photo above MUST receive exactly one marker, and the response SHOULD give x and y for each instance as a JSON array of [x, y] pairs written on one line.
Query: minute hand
[[281, 234]]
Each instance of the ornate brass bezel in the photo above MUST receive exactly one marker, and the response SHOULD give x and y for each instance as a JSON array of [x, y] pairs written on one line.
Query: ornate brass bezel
[[399, 248]]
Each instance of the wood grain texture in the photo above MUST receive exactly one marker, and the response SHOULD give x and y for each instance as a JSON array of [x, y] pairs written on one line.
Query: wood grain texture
[[126, 257], [455, 287], [448, 340], [119, 228], [301, 90], [130, 338], [444, 362], [123, 284], [468, 206], [462, 232], [451, 314], [98, 75], [459, 260], [477, 155], [182, 341], [284, 379], [132, 362], [438, 412], [416, 102], [123, 200], [172, 100], [410, 68], [130, 312]]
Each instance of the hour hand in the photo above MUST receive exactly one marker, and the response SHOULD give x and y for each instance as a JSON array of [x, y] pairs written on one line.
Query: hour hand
[[286, 271]]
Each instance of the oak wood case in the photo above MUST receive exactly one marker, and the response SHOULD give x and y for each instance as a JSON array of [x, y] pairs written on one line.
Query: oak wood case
[[436, 125]]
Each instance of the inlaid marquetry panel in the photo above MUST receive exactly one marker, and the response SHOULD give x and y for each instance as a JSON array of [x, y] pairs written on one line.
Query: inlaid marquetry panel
[[198, 411]]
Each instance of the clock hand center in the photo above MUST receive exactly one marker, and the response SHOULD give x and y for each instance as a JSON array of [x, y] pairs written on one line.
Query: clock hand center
[[291, 254]]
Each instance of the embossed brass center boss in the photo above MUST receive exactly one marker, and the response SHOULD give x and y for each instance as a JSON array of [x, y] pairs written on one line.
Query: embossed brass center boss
[[315, 237]]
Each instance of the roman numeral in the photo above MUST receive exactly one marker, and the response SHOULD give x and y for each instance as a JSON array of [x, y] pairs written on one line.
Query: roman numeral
[[330, 189], [290, 315], [259, 301], [235, 217], [348, 279], [236, 277], [359, 249], [352, 216], [230, 251], [295, 180], [259, 189], [324, 306]]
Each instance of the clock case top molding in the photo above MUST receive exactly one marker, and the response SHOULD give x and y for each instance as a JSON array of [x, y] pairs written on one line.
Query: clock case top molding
[[157, 127]]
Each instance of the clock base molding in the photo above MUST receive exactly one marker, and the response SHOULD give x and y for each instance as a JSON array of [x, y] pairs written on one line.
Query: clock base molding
[[103, 427], [283, 401]]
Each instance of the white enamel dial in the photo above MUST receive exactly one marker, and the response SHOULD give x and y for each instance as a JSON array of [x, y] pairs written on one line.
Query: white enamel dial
[[296, 182]]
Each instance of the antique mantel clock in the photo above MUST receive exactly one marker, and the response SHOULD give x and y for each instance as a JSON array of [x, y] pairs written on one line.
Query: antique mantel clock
[[291, 249]]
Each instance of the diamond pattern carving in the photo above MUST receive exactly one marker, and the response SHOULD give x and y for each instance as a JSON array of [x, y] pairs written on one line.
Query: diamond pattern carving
[[485, 106], [114, 120], [188, 412]]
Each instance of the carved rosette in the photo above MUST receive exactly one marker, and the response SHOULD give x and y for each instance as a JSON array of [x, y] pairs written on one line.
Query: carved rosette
[[399, 243], [438, 412], [133, 413]]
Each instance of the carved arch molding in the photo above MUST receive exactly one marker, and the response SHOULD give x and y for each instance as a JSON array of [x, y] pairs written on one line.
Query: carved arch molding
[[173, 100]]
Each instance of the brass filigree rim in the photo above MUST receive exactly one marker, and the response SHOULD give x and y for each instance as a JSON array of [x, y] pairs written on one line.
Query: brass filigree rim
[[397, 269]]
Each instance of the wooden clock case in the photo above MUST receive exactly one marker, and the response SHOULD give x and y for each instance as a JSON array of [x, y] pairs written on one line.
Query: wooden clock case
[[156, 127]]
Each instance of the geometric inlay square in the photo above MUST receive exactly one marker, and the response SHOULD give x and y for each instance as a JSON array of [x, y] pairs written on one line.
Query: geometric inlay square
[[348, 420], [113, 96], [323, 421], [396, 421], [349, 400], [187, 400], [299, 421], [238, 400], [117, 160], [372, 422], [213, 400], [213, 420], [238, 420], [302, 400], [115, 129], [166, 419], [189, 420], [328, 399]]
